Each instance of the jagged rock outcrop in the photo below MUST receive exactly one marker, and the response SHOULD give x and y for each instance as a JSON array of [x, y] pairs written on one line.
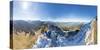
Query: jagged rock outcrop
[[91, 34], [55, 37]]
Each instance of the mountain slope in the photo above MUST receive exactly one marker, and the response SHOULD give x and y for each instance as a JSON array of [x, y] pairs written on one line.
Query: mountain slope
[[52, 38]]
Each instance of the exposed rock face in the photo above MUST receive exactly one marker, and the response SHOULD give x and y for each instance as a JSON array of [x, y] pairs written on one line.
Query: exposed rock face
[[91, 35], [52, 35], [55, 37], [26, 26]]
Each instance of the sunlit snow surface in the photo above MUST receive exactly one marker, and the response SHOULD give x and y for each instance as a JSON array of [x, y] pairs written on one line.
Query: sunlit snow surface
[[54, 38]]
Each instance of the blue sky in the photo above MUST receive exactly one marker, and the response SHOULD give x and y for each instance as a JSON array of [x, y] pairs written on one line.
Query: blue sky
[[53, 12]]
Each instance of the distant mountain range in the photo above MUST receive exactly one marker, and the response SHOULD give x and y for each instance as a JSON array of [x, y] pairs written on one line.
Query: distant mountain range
[[31, 26]]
